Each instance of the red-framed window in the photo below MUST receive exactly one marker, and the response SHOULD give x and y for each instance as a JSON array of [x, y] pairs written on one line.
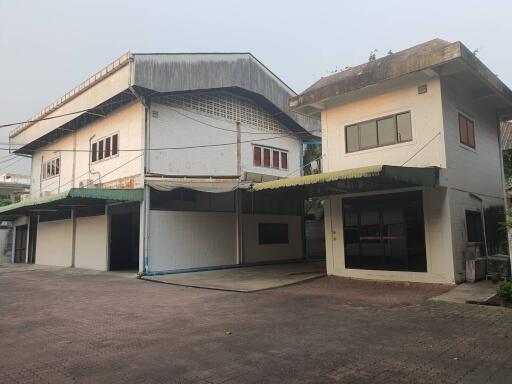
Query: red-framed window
[[270, 157]]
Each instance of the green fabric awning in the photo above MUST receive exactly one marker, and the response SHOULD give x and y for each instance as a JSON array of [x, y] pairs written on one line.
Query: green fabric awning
[[74, 196], [371, 178]]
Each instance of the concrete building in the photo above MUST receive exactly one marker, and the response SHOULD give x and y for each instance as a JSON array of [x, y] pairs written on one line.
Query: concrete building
[[13, 187], [144, 166], [412, 161]]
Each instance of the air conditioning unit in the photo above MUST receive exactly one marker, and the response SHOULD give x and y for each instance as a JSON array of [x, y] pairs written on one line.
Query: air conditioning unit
[[89, 183]]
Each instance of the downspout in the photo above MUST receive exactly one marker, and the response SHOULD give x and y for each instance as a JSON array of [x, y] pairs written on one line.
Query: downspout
[[145, 204], [238, 198], [504, 187]]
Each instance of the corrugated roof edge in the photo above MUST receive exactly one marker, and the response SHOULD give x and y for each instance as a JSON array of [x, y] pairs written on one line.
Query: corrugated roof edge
[[80, 193], [425, 176], [294, 93]]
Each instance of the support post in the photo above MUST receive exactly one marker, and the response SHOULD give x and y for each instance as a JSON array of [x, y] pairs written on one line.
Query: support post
[[239, 227], [73, 237], [13, 245], [144, 232]]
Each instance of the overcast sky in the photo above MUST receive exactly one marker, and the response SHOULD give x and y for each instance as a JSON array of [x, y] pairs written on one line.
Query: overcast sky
[[47, 47]]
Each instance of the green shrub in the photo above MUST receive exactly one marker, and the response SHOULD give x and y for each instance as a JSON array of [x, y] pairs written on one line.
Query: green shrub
[[504, 288]]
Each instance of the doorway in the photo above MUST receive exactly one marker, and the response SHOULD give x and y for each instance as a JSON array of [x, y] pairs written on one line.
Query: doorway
[[20, 244], [124, 241]]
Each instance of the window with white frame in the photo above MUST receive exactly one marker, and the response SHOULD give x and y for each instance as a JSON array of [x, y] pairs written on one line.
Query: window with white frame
[[105, 148], [51, 168], [268, 157]]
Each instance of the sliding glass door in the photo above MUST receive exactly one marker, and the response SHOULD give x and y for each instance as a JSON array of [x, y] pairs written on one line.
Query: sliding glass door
[[385, 232]]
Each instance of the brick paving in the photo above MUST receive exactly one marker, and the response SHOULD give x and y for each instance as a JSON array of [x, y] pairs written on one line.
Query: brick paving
[[72, 326]]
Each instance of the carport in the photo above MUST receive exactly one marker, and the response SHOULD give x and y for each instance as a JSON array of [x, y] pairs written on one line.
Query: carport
[[81, 227]]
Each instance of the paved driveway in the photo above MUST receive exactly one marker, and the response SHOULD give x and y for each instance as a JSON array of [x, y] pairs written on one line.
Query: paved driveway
[[65, 326]]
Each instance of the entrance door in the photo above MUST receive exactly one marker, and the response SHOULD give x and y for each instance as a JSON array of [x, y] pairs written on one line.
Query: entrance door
[[20, 246], [124, 242]]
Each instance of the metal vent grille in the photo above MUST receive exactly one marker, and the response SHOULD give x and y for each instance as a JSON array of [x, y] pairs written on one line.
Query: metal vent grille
[[227, 107]]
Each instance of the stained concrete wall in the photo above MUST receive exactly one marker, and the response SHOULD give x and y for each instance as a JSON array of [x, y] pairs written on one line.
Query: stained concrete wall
[[180, 240], [127, 122], [183, 240], [253, 252], [173, 129]]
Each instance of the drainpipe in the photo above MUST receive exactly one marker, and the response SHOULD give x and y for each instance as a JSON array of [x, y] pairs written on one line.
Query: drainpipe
[[503, 184], [73, 237], [145, 204], [483, 220]]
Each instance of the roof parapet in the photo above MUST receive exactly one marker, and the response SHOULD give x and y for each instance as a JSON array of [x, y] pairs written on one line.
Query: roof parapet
[[83, 86]]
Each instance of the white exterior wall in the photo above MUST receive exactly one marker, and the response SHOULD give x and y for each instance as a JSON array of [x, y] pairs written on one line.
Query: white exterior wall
[[172, 129], [182, 240], [185, 240], [91, 242], [127, 121], [426, 119], [253, 252], [470, 171], [54, 243], [437, 241]]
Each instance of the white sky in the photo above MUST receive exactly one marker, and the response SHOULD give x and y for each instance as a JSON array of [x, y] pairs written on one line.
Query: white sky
[[47, 47]]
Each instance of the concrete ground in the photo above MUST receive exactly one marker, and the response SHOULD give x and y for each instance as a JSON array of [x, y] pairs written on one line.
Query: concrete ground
[[246, 279], [74, 326], [480, 291]]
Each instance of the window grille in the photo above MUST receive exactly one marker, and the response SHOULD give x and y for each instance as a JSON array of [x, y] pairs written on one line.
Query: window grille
[[226, 106]]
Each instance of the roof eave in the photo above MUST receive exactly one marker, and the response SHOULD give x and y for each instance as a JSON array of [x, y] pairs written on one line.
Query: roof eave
[[315, 100]]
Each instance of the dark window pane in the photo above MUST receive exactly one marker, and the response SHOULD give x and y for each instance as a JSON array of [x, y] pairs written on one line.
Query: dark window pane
[[257, 156], [57, 166], [107, 147], [471, 133], [266, 157], [474, 226], [94, 154], [284, 160], [368, 134], [275, 159], [101, 150], [463, 130], [385, 232], [273, 233], [352, 138], [387, 131], [404, 127], [114, 144]]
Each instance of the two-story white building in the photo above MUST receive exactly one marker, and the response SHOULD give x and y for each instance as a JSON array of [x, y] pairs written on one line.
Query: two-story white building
[[412, 161], [144, 166]]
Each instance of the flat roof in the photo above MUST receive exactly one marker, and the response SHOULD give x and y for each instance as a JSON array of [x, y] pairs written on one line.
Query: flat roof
[[430, 55]]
